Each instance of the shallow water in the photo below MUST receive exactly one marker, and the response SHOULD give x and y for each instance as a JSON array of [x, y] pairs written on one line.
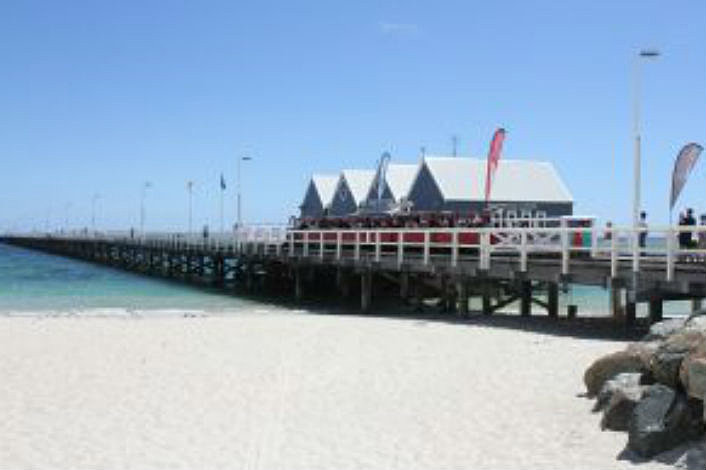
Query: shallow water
[[35, 281]]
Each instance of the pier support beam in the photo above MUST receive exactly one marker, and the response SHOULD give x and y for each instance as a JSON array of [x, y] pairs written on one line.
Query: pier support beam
[[462, 289], [630, 313], [696, 305], [298, 281], [553, 300], [343, 282], [404, 285], [526, 298], [655, 309], [366, 290], [486, 298], [616, 302]]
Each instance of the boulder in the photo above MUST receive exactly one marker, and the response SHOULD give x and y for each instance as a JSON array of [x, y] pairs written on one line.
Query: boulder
[[663, 419], [695, 376], [627, 381], [662, 330], [608, 367], [619, 410], [645, 350], [666, 361], [696, 322]]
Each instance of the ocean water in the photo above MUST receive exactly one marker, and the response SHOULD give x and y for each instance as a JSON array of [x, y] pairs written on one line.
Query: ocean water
[[32, 281]]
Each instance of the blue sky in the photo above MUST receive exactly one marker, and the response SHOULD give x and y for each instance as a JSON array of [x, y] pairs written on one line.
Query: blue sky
[[97, 97]]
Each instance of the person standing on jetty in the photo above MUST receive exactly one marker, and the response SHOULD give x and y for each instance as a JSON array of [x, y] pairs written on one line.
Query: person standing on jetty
[[685, 237], [642, 226]]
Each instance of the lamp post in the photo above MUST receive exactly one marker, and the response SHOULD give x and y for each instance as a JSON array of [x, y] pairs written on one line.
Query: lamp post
[[637, 158], [67, 208], [143, 189], [190, 191], [239, 197], [95, 198]]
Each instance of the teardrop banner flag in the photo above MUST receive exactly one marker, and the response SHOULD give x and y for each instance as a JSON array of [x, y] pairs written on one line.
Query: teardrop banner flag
[[496, 147], [687, 158]]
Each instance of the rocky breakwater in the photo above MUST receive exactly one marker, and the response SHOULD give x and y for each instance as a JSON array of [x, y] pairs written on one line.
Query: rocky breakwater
[[655, 388]]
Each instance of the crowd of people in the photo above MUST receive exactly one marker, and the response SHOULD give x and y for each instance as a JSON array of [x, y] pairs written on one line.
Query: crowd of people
[[416, 220]]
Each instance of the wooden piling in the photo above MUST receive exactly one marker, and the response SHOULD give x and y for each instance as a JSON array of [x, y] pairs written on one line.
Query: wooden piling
[[655, 309], [525, 298], [553, 300]]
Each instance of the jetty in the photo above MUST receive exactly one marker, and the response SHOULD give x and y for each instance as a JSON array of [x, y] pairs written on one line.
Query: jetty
[[498, 265]]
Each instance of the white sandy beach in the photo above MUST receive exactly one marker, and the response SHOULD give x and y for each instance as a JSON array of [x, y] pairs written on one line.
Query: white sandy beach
[[295, 391]]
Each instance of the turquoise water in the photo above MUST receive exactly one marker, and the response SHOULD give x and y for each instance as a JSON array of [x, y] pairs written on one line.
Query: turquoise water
[[35, 281]]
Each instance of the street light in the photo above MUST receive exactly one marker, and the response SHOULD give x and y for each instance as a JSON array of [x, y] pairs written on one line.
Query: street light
[[190, 189], [67, 208], [239, 215], [145, 186], [95, 197], [637, 164]]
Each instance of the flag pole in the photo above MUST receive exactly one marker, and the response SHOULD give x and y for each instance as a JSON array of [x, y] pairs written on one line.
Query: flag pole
[[221, 209]]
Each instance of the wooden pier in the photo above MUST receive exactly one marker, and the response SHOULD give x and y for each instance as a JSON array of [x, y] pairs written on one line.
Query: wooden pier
[[498, 266]]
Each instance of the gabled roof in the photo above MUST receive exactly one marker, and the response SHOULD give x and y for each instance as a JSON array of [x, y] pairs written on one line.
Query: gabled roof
[[515, 180], [325, 186], [400, 177], [359, 182]]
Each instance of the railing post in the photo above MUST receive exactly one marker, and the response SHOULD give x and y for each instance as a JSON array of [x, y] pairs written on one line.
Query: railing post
[[523, 250], [635, 249], [454, 248], [357, 246], [305, 235], [565, 251], [614, 234], [400, 248], [378, 247], [321, 245], [291, 236], [485, 249], [670, 255], [338, 245], [426, 247]]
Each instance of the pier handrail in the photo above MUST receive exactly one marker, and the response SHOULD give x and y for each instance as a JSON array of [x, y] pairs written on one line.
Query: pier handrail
[[617, 245]]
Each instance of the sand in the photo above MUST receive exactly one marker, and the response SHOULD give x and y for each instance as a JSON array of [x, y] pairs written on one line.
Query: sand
[[282, 390]]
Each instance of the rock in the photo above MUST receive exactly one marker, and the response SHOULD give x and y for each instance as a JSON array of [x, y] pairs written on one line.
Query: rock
[[628, 381], [662, 330], [663, 419], [645, 350], [696, 457], [619, 410], [666, 361], [608, 367], [696, 322], [695, 380]]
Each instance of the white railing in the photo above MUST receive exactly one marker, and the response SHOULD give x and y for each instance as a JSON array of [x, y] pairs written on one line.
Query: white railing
[[616, 246]]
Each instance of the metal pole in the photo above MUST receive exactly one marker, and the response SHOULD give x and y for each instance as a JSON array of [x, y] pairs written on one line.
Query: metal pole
[[637, 163], [142, 210], [238, 218], [143, 190], [221, 210], [190, 189], [637, 159], [93, 211]]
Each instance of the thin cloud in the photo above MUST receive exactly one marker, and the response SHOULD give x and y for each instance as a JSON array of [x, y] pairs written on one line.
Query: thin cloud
[[406, 29]]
